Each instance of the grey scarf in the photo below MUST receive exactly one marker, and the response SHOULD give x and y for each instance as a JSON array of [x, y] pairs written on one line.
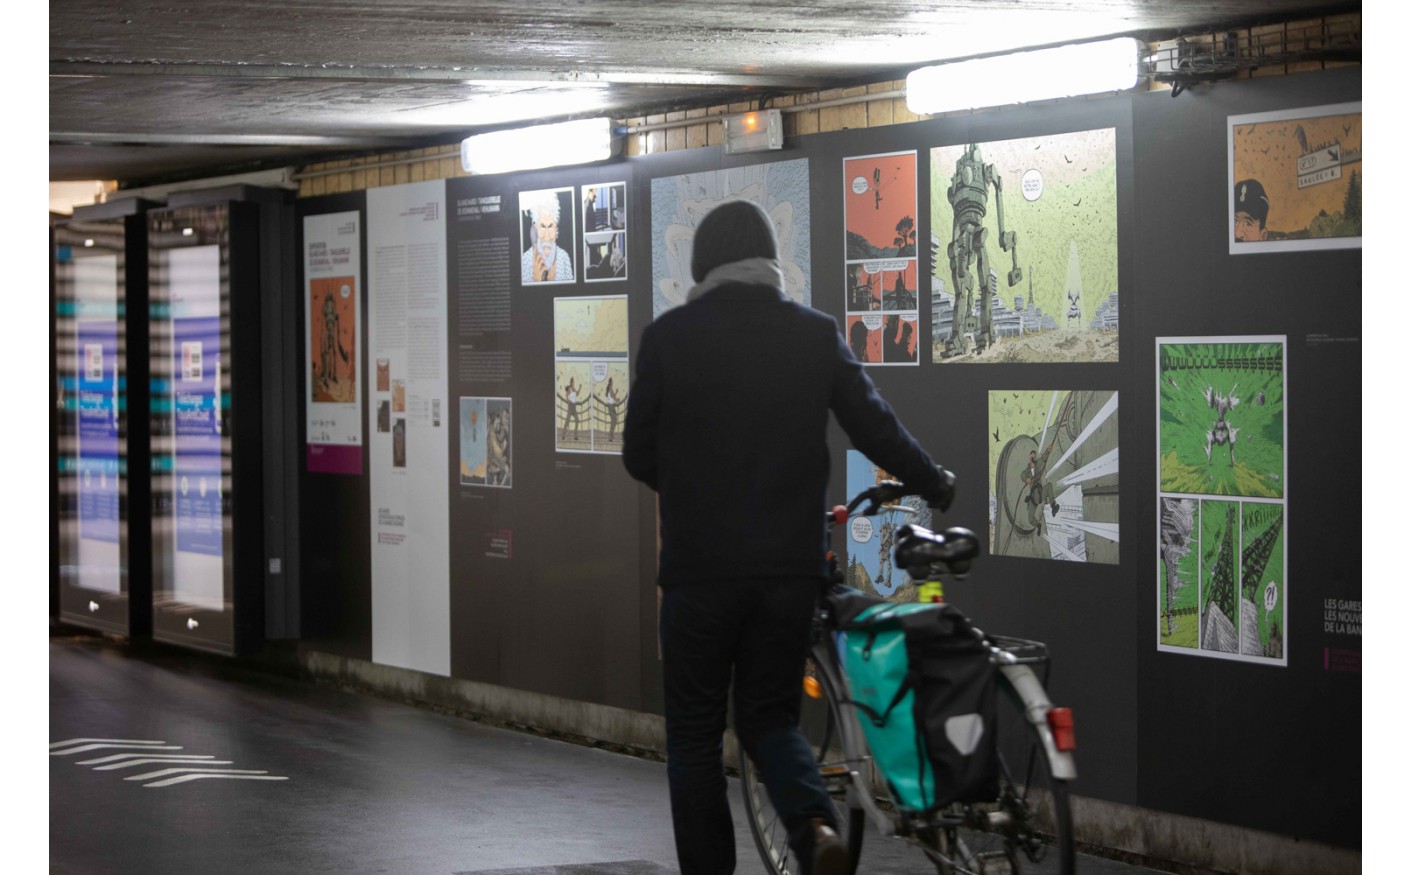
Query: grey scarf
[[750, 271]]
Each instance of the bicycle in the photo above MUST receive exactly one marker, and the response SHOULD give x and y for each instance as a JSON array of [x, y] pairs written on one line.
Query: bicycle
[[1027, 824]]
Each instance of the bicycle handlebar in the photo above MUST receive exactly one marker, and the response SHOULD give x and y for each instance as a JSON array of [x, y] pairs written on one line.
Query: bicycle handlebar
[[875, 497]]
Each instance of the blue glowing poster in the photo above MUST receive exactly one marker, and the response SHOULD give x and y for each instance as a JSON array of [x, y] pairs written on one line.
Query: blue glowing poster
[[97, 432], [196, 398], [96, 381]]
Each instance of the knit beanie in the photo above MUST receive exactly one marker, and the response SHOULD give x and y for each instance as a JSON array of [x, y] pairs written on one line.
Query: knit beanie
[[733, 231]]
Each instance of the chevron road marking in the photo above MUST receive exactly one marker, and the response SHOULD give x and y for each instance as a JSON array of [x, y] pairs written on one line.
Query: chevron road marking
[[183, 778], [162, 773], [112, 758], [141, 752], [204, 761], [87, 747], [67, 742]]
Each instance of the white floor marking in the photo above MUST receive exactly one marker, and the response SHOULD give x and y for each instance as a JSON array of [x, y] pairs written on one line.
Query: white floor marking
[[183, 778], [87, 747], [67, 742], [161, 773], [112, 758], [148, 760]]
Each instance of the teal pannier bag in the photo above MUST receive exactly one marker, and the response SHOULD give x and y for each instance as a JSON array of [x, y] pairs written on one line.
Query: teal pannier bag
[[923, 687]]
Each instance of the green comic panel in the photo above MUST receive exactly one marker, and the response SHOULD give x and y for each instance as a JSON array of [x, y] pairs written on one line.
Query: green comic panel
[[1219, 576], [1179, 572], [1222, 418], [1263, 609], [1024, 249]]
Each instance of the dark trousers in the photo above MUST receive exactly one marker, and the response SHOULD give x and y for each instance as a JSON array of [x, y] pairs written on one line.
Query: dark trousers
[[757, 630]]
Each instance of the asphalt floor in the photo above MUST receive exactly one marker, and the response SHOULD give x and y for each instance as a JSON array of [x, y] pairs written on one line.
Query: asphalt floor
[[201, 765]]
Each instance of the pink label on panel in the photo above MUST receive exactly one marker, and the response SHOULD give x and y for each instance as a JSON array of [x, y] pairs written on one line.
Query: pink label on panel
[[334, 459]]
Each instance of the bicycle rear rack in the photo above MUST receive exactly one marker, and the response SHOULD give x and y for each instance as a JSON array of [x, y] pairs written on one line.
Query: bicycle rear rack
[[1020, 650]]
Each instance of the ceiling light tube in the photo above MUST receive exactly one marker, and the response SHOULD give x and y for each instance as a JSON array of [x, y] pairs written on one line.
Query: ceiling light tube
[[575, 142], [1023, 77]]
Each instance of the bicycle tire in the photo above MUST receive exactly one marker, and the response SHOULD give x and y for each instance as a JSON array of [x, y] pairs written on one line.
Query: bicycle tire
[[1030, 825], [819, 719]]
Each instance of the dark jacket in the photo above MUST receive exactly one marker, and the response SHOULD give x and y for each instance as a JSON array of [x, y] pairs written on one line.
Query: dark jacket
[[727, 421]]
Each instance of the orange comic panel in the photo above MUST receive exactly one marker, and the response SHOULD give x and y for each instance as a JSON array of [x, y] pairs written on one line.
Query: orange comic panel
[[881, 204], [864, 340], [332, 342], [1310, 171]]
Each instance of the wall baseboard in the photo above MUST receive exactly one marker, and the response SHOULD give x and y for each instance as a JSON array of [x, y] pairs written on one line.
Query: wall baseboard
[[1172, 842]]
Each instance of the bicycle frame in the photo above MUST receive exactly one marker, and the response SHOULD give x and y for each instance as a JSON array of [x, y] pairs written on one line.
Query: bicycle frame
[[854, 746], [1036, 706]]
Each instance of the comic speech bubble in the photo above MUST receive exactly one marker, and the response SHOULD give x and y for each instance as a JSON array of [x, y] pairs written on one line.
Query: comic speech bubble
[[1270, 596], [893, 264], [909, 317], [345, 291], [859, 185], [1032, 185], [599, 371], [871, 321], [861, 529]]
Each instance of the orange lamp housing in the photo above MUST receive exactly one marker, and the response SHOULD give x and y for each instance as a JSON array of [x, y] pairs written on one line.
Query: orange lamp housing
[[1064, 735]]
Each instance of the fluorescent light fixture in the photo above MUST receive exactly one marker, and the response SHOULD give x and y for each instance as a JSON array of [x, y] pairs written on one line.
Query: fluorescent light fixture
[[575, 142], [1022, 77], [88, 242], [187, 232], [753, 131]]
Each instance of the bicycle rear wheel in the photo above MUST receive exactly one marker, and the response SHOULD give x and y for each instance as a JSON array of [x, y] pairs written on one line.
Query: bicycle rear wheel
[[820, 720], [1029, 827]]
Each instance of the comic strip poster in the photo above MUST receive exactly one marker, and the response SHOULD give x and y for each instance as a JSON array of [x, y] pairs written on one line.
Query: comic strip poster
[[546, 237], [486, 442], [678, 203], [883, 314], [1295, 180], [1024, 236], [1055, 475], [590, 373], [604, 231], [871, 539], [333, 399], [1222, 570]]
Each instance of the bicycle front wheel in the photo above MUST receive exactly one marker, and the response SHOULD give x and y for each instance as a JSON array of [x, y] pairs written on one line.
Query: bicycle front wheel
[[1028, 828], [820, 720]]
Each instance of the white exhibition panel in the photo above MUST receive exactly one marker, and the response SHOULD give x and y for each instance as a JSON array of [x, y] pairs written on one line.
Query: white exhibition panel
[[409, 448]]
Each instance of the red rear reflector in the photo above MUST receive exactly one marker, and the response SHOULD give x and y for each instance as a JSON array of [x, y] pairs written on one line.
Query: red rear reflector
[[1060, 722]]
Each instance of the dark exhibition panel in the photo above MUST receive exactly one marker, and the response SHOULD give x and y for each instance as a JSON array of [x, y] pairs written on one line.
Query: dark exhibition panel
[[552, 575], [445, 367]]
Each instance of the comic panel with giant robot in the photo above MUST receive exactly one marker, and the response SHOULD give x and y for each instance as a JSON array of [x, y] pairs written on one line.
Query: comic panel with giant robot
[[1023, 249], [1055, 487]]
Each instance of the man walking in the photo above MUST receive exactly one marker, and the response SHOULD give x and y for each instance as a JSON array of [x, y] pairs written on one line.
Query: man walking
[[739, 458]]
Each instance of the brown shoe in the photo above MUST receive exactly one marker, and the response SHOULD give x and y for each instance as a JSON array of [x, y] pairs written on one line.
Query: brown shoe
[[829, 853]]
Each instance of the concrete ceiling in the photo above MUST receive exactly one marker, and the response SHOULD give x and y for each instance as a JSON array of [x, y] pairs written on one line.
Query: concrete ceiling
[[144, 91]]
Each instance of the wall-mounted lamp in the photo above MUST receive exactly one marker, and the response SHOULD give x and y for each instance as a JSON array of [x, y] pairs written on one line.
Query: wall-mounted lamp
[[1022, 77], [575, 142], [753, 131]]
